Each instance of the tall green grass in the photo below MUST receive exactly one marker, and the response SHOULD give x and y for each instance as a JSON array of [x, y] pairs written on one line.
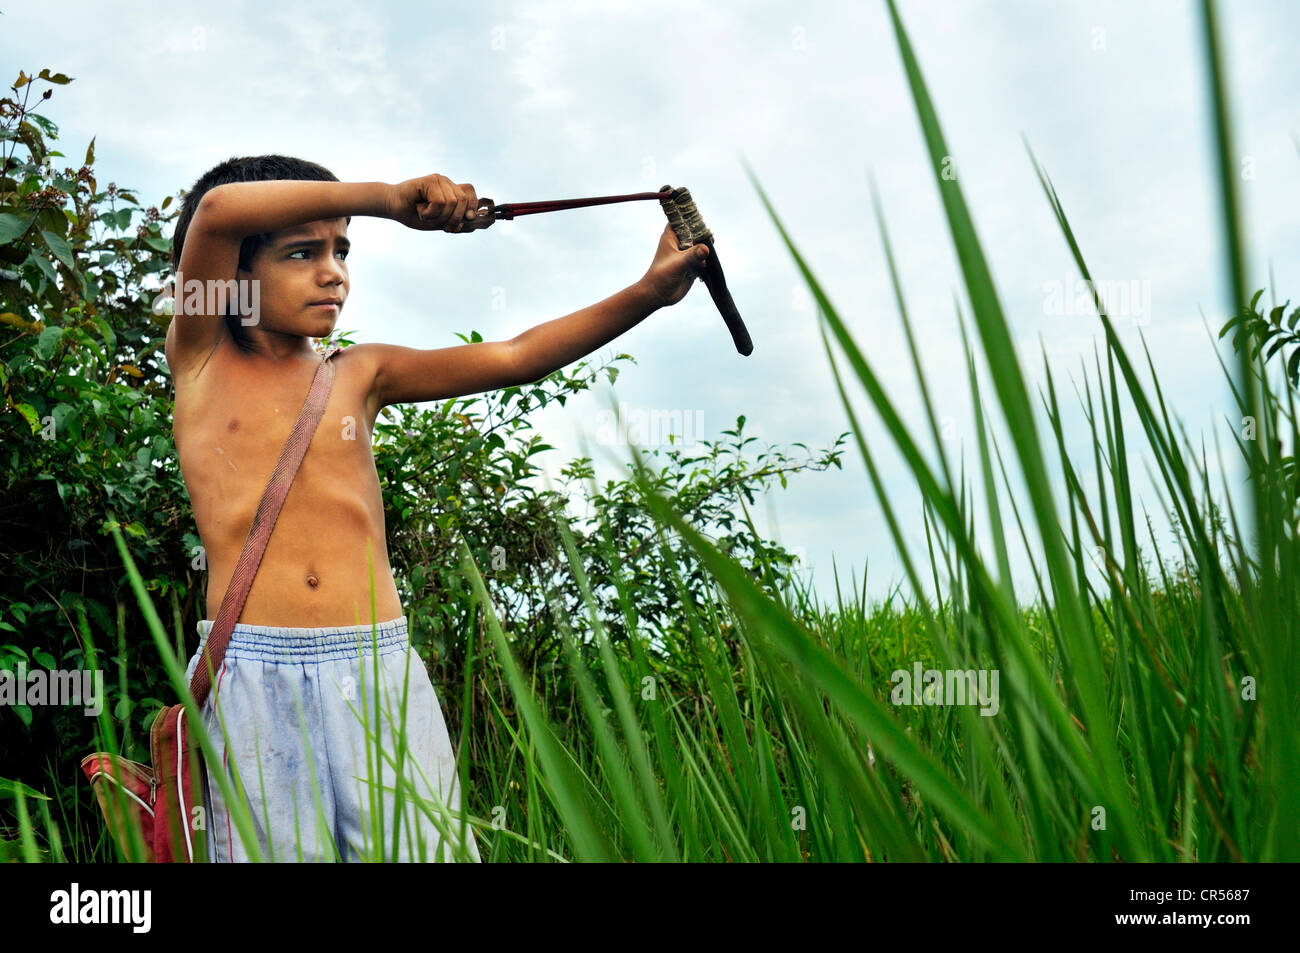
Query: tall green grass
[[761, 728]]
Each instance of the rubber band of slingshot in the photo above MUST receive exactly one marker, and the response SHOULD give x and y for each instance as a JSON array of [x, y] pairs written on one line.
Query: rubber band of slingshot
[[512, 209]]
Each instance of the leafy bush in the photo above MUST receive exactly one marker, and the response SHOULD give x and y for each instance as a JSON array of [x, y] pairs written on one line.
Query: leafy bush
[[1253, 332]]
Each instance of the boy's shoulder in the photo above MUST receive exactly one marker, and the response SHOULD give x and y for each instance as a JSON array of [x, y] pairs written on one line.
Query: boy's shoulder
[[226, 355], [227, 373], [186, 364]]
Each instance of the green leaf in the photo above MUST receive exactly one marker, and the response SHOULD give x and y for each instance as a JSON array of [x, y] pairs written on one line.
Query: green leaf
[[60, 247], [50, 128], [1232, 322], [43, 264], [44, 658], [1266, 335], [29, 412], [62, 413], [12, 226], [90, 152], [8, 788], [106, 332], [48, 341]]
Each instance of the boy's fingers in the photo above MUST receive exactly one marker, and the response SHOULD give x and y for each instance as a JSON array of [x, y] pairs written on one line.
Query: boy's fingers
[[431, 196], [471, 199], [454, 202], [699, 258], [450, 202], [458, 213], [436, 194]]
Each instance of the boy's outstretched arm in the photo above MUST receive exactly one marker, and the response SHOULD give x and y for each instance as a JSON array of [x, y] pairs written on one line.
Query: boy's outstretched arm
[[408, 374], [229, 213], [547, 347]]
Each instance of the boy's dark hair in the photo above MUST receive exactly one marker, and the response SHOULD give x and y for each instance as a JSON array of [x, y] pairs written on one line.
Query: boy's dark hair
[[244, 169]]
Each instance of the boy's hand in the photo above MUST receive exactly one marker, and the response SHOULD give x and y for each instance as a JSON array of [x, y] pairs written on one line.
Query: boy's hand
[[432, 202], [673, 271]]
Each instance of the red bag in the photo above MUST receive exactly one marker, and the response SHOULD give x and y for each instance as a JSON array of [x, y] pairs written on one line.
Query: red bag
[[161, 806], [164, 807]]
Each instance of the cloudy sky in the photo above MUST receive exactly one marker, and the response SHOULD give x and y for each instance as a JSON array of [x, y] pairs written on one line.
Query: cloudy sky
[[542, 100]]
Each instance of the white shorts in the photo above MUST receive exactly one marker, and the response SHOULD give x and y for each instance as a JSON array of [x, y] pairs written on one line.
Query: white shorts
[[279, 685]]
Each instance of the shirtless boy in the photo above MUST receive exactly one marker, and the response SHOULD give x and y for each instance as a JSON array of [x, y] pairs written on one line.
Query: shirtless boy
[[240, 383]]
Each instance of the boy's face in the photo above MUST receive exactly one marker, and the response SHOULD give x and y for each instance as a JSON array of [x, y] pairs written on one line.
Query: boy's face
[[301, 266]]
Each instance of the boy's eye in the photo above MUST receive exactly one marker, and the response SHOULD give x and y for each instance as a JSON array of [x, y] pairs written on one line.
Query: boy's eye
[[304, 251]]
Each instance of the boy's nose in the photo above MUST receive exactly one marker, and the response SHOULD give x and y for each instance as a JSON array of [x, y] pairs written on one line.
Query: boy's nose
[[335, 272]]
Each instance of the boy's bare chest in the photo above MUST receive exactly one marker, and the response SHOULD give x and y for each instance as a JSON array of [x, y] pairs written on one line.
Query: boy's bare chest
[[230, 426]]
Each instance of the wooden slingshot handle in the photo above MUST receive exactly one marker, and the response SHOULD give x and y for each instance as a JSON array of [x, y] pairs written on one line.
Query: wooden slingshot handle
[[685, 221]]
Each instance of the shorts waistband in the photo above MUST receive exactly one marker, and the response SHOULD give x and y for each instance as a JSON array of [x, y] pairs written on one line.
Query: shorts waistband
[[282, 643]]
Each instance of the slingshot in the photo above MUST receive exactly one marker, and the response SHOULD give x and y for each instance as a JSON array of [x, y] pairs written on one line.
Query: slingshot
[[685, 221]]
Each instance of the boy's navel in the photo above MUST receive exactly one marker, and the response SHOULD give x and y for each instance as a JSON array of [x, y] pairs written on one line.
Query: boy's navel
[[233, 425], [312, 580]]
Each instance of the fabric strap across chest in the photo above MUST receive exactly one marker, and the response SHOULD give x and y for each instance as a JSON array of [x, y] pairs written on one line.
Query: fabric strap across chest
[[268, 511]]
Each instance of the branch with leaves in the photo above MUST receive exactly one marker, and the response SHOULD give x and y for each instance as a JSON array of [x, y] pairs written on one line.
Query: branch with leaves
[[1254, 331]]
